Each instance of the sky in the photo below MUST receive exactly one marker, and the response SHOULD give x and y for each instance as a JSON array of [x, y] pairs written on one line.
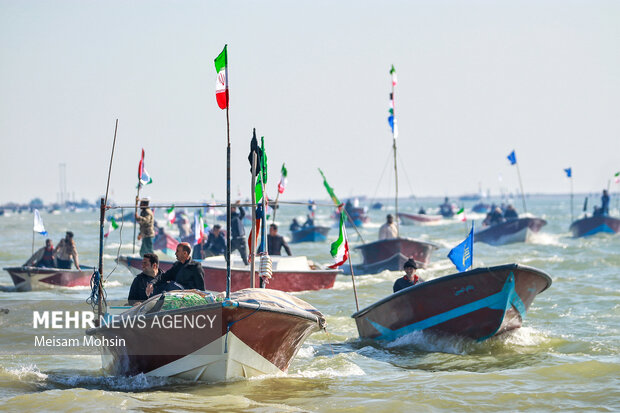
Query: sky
[[476, 80]]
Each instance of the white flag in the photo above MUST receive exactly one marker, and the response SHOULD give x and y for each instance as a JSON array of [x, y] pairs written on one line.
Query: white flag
[[38, 223]]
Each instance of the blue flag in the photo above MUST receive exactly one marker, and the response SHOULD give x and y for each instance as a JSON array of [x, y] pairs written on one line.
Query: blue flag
[[512, 158], [569, 172], [462, 256]]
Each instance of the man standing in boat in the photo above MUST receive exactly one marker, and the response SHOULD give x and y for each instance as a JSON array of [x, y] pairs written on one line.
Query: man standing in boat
[[237, 232], [275, 242], [605, 203], [146, 220], [65, 251], [149, 274], [410, 277], [388, 230], [187, 273]]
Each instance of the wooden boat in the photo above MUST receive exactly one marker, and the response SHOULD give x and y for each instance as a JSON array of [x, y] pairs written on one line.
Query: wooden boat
[[289, 273], [28, 278], [412, 219], [310, 234], [515, 230], [478, 304], [255, 332], [391, 254], [165, 243], [593, 225]]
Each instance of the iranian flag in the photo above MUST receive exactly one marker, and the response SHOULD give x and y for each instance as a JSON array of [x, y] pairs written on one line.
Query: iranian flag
[[340, 247], [461, 215], [283, 179], [617, 176], [143, 176], [393, 73], [171, 215], [221, 83], [198, 228], [111, 227]]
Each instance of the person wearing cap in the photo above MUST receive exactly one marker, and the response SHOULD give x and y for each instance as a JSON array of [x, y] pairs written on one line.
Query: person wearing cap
[[65, 251], [410, 277], [388, 230], [146, 219]]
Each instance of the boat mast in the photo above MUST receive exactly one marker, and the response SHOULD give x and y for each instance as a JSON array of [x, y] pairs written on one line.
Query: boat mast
[[227, 184], [394, 132]]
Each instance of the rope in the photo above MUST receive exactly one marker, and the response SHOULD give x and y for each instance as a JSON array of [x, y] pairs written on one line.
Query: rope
[[94, 290], [265, 267], [229, 325]]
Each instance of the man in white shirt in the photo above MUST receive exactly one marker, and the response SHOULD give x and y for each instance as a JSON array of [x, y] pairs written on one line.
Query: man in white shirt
[[388, 230]]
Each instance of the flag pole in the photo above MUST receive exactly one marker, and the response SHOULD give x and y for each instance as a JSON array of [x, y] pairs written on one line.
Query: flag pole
[[521, 186], [395, 164], [227, 193], [572, 215], [135, 221], [32, 243], [275, 207], [264, 202], [253, 232], [357, 306]]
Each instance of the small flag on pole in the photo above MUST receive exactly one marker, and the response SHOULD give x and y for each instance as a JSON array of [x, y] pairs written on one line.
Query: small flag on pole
[[38, 223], [569, 172], [143, 175], [329, 189], [617, 177], [340, 247], [461, 215], [462, 255], [171, 215], [111, 227], [283, 179], [393, 73], [198, 228], [221, 82], [512, 158]]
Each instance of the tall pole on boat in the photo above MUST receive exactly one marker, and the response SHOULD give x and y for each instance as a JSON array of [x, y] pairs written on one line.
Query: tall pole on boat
[[135, 221], [263, 233], [253, 232], [104, 203], [394, 135], [227, 198], [521, 185], [572, 215], [357, 305]]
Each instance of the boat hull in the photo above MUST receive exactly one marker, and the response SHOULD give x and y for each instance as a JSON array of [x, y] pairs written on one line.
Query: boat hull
[[246, 340], [593, 225], [478, 304], [516, 230], [310, 234], [283, 280], [391, 254], [36, 278], [412, 219]]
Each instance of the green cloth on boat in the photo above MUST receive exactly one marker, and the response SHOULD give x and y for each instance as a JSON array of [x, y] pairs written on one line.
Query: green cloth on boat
[[174, 300]]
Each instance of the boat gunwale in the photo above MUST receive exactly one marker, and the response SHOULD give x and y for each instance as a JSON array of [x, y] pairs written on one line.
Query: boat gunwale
[[370, 244]]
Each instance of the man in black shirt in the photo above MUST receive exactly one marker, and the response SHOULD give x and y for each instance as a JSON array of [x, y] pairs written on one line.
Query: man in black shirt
[[410, 277], [276, 241], [185, 272], [149, 274]]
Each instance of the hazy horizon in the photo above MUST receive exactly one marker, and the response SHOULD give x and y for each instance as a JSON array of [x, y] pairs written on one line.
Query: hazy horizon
[[476, 80]]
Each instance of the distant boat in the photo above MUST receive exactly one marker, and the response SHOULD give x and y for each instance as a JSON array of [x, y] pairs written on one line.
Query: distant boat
[[391, 254], [377, 206], [289, 273], [412, 219], [593, 225], [514, 230], [315, 233], [481, 208], [478, 304], [256, 332], [28, 278]]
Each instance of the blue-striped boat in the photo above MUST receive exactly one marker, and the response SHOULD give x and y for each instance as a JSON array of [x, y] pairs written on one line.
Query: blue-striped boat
[[595, 224], [478, 304]]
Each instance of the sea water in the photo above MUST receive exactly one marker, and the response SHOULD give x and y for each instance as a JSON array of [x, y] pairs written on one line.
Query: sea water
[[566, 357]]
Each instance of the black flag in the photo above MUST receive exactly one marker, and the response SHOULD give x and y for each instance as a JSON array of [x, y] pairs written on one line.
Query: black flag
[[255, 148]]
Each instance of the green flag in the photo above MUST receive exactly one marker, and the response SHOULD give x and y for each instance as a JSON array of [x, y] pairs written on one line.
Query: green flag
[[330, 191]]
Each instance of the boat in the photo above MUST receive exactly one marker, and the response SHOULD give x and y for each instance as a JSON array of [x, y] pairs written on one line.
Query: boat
[[412, 219], [27, 278], [595, 224], [254, 332], [477, 304], [315, 233], [481, 208], [391, 254], [165, 243], [288, 273], [514, 230]]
